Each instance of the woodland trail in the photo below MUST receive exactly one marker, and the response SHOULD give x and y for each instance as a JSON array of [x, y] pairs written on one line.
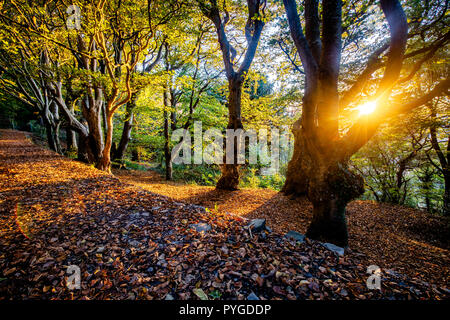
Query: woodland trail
[[130, 243]]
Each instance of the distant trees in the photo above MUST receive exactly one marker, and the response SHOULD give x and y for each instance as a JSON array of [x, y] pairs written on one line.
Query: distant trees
[[102, 51], [400, 163]]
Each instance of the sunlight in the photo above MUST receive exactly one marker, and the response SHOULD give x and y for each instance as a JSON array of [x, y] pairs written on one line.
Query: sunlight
[[367, 108]]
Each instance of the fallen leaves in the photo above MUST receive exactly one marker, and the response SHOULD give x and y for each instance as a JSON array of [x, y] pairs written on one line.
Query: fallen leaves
[[390, 236], [133, 244]]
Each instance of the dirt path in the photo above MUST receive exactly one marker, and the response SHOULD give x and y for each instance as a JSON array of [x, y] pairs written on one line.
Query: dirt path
[[403, 239], [129, 243]]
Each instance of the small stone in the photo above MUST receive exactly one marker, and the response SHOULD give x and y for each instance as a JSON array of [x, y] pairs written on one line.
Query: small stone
[[100, 249], [295, 236], [145, 214], [201, 227], [252, 296], [169, 297], [134, 243], [257, 225], [197, 207], [339, 250]]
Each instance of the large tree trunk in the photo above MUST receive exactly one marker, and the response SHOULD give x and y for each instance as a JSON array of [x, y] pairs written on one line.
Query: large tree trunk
[[93, 115], [229, 180], [331, 187]]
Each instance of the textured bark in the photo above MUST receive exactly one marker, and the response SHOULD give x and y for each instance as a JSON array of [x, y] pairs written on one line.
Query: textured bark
[[296, 183], [126, 131], [444, 161], [71, 140], [229, 179], [446, 198], [50, 136], [95, 143], [83, 154], [167, 153], [104, 162], [331, 187]]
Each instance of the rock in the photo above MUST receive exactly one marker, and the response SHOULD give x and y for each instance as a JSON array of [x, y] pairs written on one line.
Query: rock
[[145, 214], [150, 270], [339, 250], [134, 243], [100, 249], [252, 296], [169, 297], [295, 236], [197, 207], [257, 225], [201, 227]]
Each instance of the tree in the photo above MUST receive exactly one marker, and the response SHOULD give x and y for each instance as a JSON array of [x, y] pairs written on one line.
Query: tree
[[229, 179], [442, 153], [321, 151]]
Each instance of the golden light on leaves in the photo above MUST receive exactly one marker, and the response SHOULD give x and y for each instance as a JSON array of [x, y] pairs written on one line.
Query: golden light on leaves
[[367, 108]]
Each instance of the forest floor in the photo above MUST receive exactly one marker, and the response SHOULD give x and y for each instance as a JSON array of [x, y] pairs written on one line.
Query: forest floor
[[131, 243], [400, 238]]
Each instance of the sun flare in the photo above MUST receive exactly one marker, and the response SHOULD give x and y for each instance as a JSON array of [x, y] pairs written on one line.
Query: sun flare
[[367, 108]]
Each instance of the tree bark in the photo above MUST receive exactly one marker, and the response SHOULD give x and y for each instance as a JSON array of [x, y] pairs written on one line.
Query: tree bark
[[229, 179], [50, 136], [126, 132], [71, 139], [296, 184], [167, 153], [446, 198], [95, 143], [331, 186], [104, 162]]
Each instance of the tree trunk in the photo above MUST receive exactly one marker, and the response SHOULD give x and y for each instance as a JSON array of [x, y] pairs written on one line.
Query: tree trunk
[[135, 155], [104, 163], [71, 140], [50, 136], [446, 198], [83, 145], [93, 115], [331, 187], [296, 181], [57, 140], [167, 153], [126, 132], [229, 180]]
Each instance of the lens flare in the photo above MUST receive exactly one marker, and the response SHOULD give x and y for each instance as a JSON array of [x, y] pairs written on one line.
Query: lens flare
[[367, 108]]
